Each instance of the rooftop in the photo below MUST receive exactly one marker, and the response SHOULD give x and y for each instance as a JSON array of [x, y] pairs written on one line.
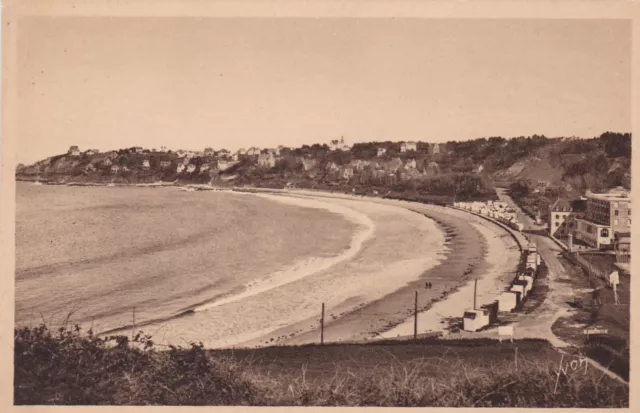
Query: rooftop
[[566, 205]]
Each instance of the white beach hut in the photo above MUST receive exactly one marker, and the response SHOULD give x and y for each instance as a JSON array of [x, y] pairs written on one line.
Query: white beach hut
[[528, 279], [474, 320], [518, 289]]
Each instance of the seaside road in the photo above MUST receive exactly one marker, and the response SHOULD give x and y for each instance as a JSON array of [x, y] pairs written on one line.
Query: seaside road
[[538, 324]]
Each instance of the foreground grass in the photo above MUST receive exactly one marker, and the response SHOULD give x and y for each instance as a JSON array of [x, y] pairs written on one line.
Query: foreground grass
[[69, 367]]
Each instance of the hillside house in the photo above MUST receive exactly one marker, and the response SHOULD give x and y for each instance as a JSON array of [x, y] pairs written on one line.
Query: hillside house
[[359, 164], [205, 167], [434, 148], [125, 168], [165, 164], [347, 173], [242, 151], [235, 157], [73, 151], [107, 162], [181, 153], [253, 151], [408, 146], [433, 168], [332, 167], [190, 168], [180, 168], [137, 149], [91, 152], [223, 153], [394, 164], [267, 160], [339, 145], [90, 168], [381, 151], [308, 163], [145, 164], [163, 149], [223, 165], [411, 164], [208, 151], [115, 168]]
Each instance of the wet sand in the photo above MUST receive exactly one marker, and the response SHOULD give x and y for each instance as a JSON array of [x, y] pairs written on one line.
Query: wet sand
[[473, 248]]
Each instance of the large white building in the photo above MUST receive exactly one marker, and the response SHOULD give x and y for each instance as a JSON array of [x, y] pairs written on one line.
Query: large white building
[[606, 215]]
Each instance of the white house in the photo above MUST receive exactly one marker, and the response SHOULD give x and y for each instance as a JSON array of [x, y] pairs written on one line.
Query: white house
[[408, 146], [381, 151], [347, 173], [190, 168], [145, 164], [180, 168], [73, 151], [339, 145], [267, 160], [91, 152], [165, 164], [204, 167], [253, 151], [115, 168]]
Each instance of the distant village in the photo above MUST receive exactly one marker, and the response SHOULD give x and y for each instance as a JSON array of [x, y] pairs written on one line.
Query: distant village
[[388, 162]]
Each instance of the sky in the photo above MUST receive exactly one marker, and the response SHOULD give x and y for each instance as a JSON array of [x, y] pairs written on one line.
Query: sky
[[108, 83]]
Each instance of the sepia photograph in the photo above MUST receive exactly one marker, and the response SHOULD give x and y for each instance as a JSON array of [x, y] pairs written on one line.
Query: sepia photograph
[[318, 210]]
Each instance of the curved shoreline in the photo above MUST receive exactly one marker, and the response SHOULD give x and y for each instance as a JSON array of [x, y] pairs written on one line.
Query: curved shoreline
[[464, 257], [452, 274]]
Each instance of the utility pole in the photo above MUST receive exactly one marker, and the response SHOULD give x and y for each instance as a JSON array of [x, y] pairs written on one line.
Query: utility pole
[[322, 326], [415, 317], [475, 290], [133, 329]]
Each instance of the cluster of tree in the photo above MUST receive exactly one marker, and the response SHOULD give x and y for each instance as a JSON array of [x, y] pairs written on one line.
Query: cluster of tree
[[464, 168]]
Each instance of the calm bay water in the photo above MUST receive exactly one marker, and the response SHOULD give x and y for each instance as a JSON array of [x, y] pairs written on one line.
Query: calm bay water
[[97, 252]]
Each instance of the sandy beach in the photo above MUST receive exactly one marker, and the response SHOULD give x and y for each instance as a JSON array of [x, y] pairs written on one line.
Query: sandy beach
[[473, 248], [374, 254]]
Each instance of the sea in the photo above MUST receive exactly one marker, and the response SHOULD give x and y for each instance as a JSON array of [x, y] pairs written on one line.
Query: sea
[[217, 267]]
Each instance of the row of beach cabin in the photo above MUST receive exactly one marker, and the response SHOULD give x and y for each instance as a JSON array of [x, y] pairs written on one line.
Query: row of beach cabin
[[511, 299], [497, 210]]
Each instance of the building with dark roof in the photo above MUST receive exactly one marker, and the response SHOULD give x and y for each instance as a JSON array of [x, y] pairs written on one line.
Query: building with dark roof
[[563, 214]]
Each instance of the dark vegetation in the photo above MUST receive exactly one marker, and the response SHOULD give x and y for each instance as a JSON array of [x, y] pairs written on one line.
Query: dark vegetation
[[68, 367], [536, 168]]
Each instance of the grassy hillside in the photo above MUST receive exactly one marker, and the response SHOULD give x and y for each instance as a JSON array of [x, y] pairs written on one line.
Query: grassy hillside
[[68, 367], [466, 170]]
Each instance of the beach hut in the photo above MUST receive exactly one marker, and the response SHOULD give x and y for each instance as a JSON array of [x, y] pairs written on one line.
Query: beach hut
[[523, 284], [507, 301], [530, 272], [519, 289], [474, 320], [531, 262], [528, 279], [538, 259], [492, 311]]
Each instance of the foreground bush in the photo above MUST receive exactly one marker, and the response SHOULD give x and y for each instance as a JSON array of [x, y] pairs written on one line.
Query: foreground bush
[[67, 367]]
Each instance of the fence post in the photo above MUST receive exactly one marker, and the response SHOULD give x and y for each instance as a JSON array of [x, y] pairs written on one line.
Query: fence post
[[322, 326], [415, 317]]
